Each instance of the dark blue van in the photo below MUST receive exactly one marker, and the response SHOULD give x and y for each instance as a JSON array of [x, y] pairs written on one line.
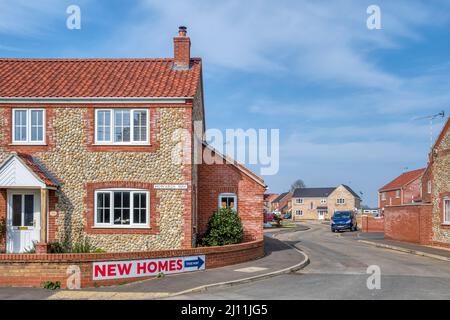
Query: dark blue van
[[344, 220]]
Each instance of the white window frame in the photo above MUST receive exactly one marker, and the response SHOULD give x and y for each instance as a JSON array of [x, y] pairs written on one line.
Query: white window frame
[[111, 224], [323, 201], [446, 222], [338, 201], [299, 201], [229, 195], [299, 213], [383, 196], [28, 141], [112, 127], [397, 194], [429, 187]]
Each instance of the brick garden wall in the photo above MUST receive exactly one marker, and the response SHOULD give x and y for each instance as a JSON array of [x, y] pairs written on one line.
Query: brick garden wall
[[31, 270], [372, 224], [410, 223]]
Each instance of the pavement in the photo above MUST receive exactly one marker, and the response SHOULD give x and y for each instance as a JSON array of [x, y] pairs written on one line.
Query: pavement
[[279, 258], [339, 269], [377, 239]]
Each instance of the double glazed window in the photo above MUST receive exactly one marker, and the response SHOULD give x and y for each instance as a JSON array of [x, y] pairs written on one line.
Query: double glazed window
[[122, 208], [28, 126], [446, 210], [121, 126], [298, 212], [299, 200], [228, 200], [340, 201]]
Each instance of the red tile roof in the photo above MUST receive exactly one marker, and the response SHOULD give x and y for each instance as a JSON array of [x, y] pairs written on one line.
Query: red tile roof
[[403, 179], [29, 162], [97, 78]]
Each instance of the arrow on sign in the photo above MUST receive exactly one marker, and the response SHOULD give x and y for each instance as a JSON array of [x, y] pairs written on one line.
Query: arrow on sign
[[194, 263]]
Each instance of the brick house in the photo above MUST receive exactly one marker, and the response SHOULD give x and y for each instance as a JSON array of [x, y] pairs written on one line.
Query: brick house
[[321, 203], [87, 149], [404, 189], [281, 203], [268, 199], [426, 219], [435, 188]]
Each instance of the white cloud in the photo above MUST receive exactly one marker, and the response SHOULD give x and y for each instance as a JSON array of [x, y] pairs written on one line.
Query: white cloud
[[316, 40]]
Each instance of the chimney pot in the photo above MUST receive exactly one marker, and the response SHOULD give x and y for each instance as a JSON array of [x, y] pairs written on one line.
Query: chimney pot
[[182, 31]]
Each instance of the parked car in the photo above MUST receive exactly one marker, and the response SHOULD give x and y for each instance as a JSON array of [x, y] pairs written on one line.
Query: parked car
[[269, 216], [344, 220]]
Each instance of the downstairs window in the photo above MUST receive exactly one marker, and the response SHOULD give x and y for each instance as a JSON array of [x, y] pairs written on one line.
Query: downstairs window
[[122, 208]]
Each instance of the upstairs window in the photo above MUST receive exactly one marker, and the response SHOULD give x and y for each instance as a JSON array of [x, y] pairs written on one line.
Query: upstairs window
[[28, 126], [323, 201], [429, 187], [383, 196], [299, 200], [340, 201], [397, 194], [121, 126]]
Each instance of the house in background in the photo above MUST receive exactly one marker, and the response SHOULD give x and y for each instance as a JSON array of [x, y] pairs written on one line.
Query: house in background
[[321, 203], [404, 189], [268, 198], [279, 204]]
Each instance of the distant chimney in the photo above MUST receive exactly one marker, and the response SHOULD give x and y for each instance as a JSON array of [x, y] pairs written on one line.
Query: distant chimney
[[182, 50]]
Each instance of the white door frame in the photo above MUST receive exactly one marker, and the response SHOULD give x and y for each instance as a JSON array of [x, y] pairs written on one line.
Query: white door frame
[[25, 235]]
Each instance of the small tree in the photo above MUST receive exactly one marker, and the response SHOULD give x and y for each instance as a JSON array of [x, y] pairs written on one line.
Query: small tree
[[297, 184], [224, 228]]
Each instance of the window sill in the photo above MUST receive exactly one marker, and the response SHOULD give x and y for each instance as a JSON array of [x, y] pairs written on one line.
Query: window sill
[[121, 145], [27, 144], [121, 228]]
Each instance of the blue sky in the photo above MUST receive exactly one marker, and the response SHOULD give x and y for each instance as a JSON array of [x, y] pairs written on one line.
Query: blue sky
[[344, 97]]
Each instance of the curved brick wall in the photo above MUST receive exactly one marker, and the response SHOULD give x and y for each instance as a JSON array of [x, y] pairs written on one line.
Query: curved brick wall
[[31, 270]]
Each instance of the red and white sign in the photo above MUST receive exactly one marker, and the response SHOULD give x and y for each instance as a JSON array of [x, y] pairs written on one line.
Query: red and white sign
[[146, 268]]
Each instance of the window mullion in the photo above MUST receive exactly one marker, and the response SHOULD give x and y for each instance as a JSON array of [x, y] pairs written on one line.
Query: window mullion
[[131, 207], [132, 126]]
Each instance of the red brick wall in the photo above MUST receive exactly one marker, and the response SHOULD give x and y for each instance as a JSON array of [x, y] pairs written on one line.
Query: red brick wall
[[31, 270], [215, 179], [372, 224], [410, 223]]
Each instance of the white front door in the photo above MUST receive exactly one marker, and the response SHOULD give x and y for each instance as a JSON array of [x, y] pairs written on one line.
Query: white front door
[[24, 217], [321, 214]]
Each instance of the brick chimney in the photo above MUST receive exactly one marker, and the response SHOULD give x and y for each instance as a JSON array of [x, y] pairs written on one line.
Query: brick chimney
[[182, 50]]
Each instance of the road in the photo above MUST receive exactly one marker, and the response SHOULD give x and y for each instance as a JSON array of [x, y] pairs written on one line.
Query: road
[[338, 270]]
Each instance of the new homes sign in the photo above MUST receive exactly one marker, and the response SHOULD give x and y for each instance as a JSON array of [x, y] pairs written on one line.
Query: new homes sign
[[146, 268]]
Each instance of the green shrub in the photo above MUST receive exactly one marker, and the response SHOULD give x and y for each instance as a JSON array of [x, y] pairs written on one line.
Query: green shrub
[[82, 246], [224, 228], [51, 285]]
